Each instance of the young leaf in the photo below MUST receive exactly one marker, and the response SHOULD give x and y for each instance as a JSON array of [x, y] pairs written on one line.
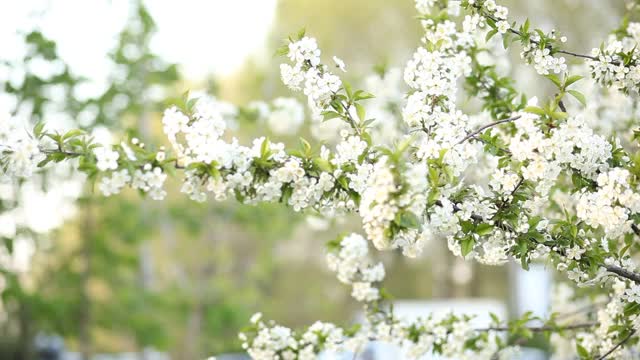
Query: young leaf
[[571, 79], [535, 110], [555, 79], [361, 111], [466, 245], [38, 128], [484, 229], [579, 96]]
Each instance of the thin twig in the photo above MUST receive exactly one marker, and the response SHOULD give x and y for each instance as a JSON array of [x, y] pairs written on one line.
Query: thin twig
[[57, 151], [627, 338], [566, 52], [579, 311], [545, 328], [481, 129], [456, 209]]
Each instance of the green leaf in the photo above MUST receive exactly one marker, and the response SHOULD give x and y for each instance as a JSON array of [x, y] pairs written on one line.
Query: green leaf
[[362, 95], [505, 40], [571, 79], [348, 90], [43, 162], [559, 115], [328, 115], [323, 164], [484, 229], [361, 111], [535, 110], [490, 34], [264, 149], [582, 352], [301, 33], [525, 27], [466, 245], [72, 133], [579, 96], [343, 182], [305, 145], [407, 219], [282, 50], [38, 128], [555, 79], [495, 318]]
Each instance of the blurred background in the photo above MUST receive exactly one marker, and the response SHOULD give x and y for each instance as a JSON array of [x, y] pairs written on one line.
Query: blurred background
[[129, 278]]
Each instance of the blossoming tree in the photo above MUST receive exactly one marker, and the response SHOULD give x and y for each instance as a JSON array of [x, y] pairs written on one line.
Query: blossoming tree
[[518, 179]]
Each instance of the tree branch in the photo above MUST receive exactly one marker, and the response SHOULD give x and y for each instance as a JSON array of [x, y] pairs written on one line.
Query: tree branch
[[630, 275], [623, 272]]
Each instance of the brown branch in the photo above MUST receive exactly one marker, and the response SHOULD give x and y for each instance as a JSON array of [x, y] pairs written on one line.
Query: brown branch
[[623, 273]]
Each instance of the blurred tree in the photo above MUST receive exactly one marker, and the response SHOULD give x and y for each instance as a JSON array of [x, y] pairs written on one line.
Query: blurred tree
[[115, 279]]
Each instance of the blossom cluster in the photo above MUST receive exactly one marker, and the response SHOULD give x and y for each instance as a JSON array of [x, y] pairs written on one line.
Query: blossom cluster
[[21, 152], [352, 265], [615, 63], [442, 333], [543, 61], [597, 340], [264, 171], [611, 205], [148, 178], [309, 75]]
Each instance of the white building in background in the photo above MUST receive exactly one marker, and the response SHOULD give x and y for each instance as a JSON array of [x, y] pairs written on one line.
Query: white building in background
[[531, 289]]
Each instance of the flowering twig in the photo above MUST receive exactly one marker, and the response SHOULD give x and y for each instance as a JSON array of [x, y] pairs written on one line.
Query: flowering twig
[[561, 51]]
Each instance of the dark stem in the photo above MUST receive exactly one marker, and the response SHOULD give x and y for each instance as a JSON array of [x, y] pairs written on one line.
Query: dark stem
[[59, 151], [483, 128], [623, 272], [545, 328], [622, 342], [456, 209], [560, 51]]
